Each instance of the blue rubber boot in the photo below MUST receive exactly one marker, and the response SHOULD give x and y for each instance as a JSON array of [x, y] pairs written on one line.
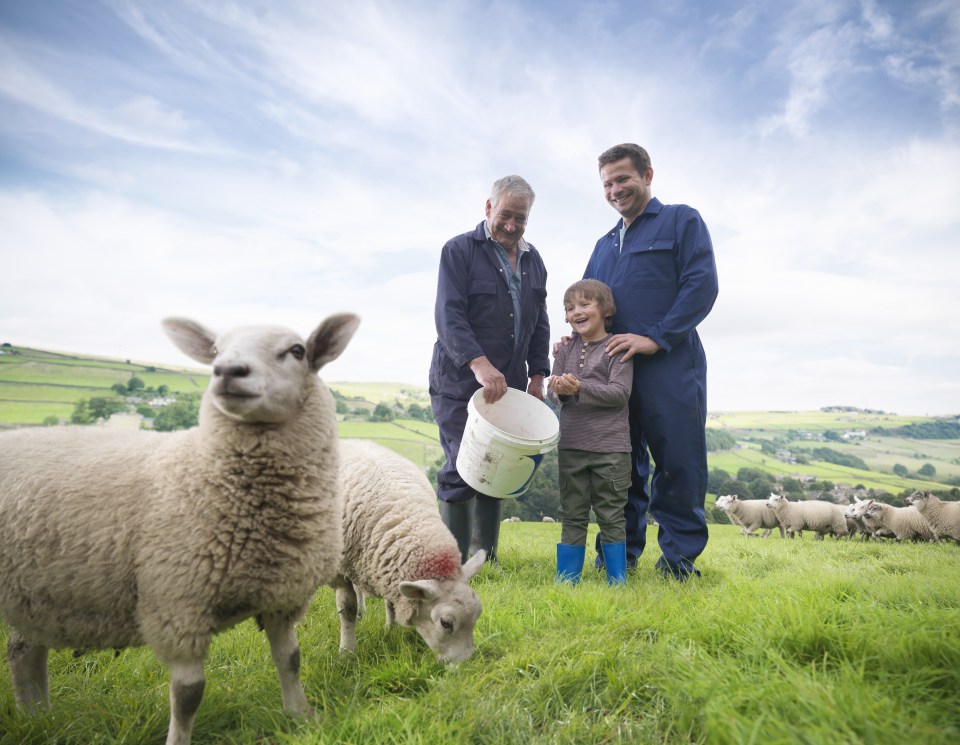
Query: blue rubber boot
[[570, 562], [615, 560]]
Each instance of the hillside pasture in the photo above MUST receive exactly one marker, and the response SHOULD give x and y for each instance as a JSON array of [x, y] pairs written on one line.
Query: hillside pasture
[[416, 441], [750, 456], [779, 642], [779, 423]]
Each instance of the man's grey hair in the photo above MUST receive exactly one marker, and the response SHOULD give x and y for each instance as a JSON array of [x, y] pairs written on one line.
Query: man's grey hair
[[514, 186]]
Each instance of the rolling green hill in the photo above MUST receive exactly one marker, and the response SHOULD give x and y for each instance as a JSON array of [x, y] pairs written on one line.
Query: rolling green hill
[[36, 384]]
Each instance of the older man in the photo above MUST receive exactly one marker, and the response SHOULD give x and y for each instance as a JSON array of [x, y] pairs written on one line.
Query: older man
[[492, 333]]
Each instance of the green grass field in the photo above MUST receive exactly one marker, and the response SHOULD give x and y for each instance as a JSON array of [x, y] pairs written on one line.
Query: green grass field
[[780, 642]]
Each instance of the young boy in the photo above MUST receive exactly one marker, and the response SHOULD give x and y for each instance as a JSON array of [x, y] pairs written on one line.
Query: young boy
[[592, 389]]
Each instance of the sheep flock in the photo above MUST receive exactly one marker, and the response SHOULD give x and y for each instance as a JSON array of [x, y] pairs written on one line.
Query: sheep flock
[[926, 518]]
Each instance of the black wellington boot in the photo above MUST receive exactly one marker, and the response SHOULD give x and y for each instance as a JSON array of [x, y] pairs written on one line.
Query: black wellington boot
[[458, 517], [487, 516]]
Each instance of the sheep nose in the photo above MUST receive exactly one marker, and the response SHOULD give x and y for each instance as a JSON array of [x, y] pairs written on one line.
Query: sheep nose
[[231, 371]]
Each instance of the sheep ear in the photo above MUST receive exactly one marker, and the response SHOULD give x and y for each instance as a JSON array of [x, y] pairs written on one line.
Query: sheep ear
[[473, 565], [194, 340], [330, 338], [421, 589]]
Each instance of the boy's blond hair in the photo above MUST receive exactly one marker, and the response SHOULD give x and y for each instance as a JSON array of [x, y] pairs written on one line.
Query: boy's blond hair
[[595, 291]]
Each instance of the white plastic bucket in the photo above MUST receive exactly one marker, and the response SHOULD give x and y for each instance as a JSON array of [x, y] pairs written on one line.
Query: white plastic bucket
[[504, 442]]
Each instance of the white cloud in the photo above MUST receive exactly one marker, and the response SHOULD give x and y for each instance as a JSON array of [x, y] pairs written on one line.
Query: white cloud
[[276, 164]]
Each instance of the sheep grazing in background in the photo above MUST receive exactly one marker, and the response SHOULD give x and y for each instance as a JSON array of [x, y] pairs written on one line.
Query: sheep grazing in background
[[113, 539], [906, 523], [396, 547], [816, 515], [943, 517], [749, 514]]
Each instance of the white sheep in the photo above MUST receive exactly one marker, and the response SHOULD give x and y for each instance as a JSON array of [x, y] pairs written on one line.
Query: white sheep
[[749, 514], [904, 522], [943, 517], [113, 539], [395, 546], [853, 513], [869, 525], [819, 516]]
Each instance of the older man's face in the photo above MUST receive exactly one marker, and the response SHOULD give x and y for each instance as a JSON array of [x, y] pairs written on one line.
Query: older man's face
[[508, 219]]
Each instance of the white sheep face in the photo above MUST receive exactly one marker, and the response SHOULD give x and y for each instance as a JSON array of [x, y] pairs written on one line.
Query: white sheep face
[[775, 500], [261, 374], [724, 501], [447, 611]]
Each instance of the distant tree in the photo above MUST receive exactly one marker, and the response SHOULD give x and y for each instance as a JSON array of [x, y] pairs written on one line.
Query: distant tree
[[119, 388], [832, 436], [543, 495], [81, 412], [715, 478], [382, 413], [900, 470], [718, 439], [341, 405], [135, 384], [163, 389], [750, 474], [51, 421], [421, 413], [103, 408], [739, 488], [841, 459], [182, 414], [767, 447], [434, 469], [147, 412], [927, 470]]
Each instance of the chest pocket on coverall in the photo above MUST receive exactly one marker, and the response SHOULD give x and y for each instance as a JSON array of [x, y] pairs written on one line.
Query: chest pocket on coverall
[[482, 308], [652, 265]]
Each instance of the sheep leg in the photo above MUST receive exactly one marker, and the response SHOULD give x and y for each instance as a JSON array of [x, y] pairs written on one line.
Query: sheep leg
[[186, 691], [348, 609], [388, 609], [767, 532], [285, 650], [28, 672]]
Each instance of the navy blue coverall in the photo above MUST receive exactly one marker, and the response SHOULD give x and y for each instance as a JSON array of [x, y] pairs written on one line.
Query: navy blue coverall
[[664, 282], [474, 317]]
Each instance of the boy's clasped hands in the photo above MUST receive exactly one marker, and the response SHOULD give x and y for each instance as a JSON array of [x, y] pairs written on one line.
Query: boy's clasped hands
[[564, 385]]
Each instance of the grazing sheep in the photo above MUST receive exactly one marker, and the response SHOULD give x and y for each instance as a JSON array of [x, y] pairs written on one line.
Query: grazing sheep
[[816, 515], [749, 514], [113, 539], [396, 547], [943, 517], [548, 519], [904, 522]]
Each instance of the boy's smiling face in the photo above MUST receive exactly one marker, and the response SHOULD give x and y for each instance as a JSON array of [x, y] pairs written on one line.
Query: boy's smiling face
[[585, 318]]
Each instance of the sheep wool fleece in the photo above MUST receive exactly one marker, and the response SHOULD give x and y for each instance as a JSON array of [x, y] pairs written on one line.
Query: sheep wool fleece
[[392, 528], [163, 539]]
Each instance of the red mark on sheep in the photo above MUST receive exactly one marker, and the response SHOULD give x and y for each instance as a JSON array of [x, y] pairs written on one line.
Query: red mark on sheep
[[439, 566]]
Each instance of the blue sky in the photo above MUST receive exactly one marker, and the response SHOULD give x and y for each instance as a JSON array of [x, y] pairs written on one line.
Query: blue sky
[[251, 162]]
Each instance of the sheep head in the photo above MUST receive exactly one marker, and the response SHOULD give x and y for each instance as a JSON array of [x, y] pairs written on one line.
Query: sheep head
[[262, 374], [724, 501], [917, 498], [447, 610]]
